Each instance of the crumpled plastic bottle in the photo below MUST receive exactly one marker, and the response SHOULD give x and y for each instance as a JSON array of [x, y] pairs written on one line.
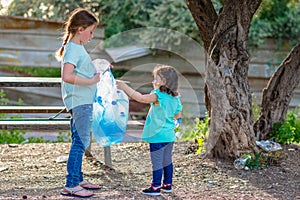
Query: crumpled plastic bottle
[[241, 162], [268, 145]]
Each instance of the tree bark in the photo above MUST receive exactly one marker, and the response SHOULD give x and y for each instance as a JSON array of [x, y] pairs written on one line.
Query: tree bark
[[278, 94], [205, 17], [227, 93]]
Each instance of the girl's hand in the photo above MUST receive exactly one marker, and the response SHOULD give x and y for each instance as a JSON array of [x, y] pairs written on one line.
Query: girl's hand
[[120, 84], [96, 78]]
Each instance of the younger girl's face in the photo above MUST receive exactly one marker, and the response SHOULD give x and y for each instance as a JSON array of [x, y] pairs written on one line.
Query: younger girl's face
[[87, 34], [157, 82]]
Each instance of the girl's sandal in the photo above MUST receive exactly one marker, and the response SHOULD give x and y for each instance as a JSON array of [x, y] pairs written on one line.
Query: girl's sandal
[[89, 186], [77, 191]]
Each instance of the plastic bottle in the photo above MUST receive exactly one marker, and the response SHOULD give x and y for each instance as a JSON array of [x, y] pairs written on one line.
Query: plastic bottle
[[105, 129], [177, 122], [123, 106], [110, 118], [120, 110], [268, 145], [241, 162]]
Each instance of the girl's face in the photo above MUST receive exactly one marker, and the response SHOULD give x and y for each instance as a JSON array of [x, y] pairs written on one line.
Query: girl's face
[[157, 82], [87, 34]]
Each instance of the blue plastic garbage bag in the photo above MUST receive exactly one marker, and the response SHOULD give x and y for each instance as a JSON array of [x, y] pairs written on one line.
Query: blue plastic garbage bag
[[110, 108]]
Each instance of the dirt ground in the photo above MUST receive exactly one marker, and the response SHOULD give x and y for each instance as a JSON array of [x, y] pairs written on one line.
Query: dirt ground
[[30, 171]]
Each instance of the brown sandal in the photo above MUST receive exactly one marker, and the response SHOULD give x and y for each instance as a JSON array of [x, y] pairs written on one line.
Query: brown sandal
[[76, 192], [89, 186]]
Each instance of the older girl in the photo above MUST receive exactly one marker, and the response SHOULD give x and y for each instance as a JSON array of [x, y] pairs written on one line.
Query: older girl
[[78, 89]]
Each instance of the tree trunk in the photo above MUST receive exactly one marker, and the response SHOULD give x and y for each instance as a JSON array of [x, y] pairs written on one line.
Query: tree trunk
[[227, 92], [278, 94]]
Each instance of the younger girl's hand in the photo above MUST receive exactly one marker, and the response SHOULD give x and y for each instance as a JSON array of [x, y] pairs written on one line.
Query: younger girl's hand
[[120, 84], [96, 78]]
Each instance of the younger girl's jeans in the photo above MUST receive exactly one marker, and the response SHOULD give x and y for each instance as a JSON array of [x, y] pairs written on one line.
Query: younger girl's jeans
[[161, 158], [80, 124]]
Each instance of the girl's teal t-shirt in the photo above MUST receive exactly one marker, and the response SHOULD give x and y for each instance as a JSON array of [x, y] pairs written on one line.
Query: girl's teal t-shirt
[[159, 125], [75, 95]]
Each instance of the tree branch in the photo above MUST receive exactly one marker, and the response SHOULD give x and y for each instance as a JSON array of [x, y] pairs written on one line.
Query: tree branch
[[205, 17], [278, 94]]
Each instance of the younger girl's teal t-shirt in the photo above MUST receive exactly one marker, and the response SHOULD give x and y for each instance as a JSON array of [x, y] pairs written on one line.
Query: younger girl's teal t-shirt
[[159, 125], [74, 95]]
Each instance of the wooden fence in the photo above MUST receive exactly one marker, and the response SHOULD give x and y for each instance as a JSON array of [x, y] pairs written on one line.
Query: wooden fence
[[33, 42]]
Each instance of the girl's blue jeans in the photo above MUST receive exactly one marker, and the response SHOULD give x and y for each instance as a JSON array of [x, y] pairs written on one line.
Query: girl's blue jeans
[[162, 166], [80, 125]]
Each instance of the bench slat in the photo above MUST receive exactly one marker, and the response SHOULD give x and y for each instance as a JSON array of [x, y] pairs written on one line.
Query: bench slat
[[32, 109], [46, 109], [29, 82], [35, 119], [53, 124], [35, 125]]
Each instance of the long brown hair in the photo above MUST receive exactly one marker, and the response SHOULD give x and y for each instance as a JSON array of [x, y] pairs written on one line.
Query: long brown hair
[[79, 18], [169, 74]]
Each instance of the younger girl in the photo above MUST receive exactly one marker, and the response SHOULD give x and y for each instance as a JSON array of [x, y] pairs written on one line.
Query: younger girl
[[159, 126], [78, 91]]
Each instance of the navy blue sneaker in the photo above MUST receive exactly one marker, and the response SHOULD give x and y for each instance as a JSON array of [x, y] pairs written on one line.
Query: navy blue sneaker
[[151, 191], [166, 188]]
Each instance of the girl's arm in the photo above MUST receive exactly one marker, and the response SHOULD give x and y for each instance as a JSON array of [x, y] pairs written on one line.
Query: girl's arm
[[68, 76], [142, 98], [177, 116]]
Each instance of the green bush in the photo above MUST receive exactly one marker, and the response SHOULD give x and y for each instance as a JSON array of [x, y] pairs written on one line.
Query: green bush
[[63, 137], [263, 159], [35, 71], [50, 72], [11, 136], [288, 131], [198, 133]]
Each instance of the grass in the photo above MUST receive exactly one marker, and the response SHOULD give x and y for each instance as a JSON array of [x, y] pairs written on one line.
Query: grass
[[34, 71], [48, 71]]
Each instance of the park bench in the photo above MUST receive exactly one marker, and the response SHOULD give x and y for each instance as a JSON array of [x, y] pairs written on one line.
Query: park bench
[[53, 122]]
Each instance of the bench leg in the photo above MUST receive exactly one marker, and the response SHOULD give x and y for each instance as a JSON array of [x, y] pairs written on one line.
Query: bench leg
[[107, 156]]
